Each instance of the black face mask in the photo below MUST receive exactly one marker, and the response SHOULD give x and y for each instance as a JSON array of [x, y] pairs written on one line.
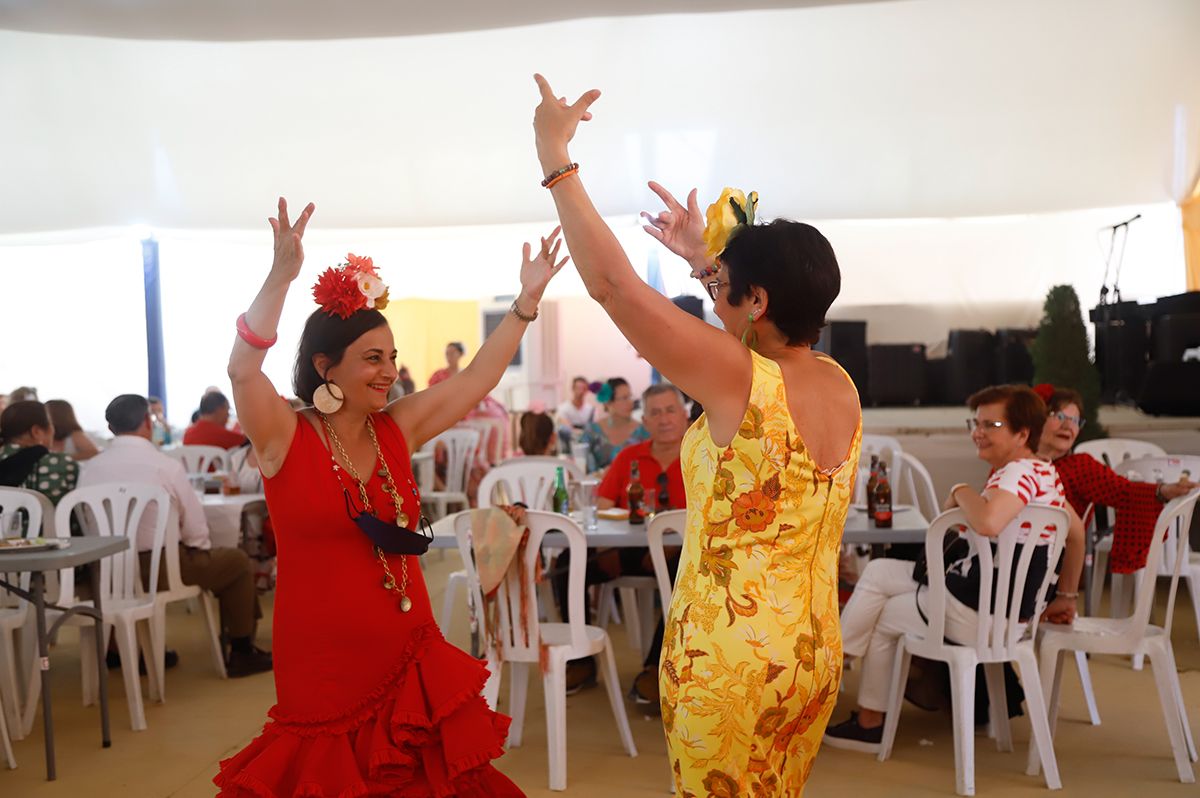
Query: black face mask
[[390, 538]]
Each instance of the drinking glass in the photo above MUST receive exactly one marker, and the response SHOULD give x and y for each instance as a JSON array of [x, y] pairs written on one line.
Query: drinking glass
[[587, 490]]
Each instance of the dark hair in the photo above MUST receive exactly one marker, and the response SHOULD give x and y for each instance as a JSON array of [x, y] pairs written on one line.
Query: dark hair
[[212, 401], [457, 345], [63, 416], [1024, 410], [584, 380], [1063, 397], [537, 430], [126, 413], [24, 394], [329, 335], [20, 417], [613, 384], [795, 265]]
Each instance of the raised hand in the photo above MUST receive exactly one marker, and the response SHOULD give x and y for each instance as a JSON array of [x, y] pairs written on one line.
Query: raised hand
[[554, 123], [679, 229], [536, 271], [289, 252]]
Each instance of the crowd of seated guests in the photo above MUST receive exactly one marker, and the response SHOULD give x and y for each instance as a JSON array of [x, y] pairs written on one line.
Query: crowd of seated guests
[[27, 459], [616, 429]]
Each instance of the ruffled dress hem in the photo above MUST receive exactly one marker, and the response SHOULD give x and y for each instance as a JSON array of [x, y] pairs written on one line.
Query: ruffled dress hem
[[424, 731]]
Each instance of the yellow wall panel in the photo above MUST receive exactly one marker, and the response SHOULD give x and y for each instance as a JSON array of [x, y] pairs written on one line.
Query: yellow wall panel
[[423, 327]]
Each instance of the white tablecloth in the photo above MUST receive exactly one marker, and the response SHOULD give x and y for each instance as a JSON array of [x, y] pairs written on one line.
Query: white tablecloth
[[224, 515]]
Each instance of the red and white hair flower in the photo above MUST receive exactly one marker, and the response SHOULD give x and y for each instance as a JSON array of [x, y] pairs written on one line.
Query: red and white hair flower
[[349, 287]]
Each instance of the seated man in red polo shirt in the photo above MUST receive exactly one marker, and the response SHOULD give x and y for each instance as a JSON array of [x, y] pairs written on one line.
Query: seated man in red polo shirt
[[665, 418], [211, 426]]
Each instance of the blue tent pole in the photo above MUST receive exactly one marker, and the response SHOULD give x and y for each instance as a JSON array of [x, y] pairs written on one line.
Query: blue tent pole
[[155, 361]]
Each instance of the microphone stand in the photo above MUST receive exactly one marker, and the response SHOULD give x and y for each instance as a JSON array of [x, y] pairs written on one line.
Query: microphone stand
[[1113, 344]]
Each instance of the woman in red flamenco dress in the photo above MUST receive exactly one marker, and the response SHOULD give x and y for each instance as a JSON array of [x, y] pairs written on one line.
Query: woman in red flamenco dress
[[371, 699]]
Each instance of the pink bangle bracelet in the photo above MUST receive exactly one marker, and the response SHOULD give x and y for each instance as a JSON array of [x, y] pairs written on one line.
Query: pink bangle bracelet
[[246, 334]]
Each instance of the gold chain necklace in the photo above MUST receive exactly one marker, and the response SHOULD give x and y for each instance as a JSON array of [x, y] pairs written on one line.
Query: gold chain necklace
[[389, 487]]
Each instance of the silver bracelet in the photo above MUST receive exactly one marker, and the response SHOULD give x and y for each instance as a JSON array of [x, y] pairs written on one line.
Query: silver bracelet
[[516, 311]]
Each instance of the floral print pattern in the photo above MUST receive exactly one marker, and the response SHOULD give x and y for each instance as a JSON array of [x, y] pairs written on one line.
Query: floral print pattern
[[753, 652]]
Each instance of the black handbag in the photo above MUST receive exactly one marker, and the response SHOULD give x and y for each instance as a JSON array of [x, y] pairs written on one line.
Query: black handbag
[[955, 548]]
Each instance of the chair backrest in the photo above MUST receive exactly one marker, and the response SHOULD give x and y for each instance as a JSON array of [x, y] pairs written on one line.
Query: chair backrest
[[915, 487], [660, 524], [1000, 626], [518, 627], [531, 483], [888, 449], [460, 445], [1118, 449], [20, 517], [574, 472], [1167, 468], [1170, 540], [115, 510], [198, 459]]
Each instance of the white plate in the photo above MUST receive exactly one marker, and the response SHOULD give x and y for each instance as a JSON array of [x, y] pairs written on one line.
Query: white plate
[[9, 545]]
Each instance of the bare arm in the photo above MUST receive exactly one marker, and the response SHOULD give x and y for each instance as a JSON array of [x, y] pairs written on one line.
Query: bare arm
[[664, 335], [84, 448], [268, 422], [424, 414], [989, 512]]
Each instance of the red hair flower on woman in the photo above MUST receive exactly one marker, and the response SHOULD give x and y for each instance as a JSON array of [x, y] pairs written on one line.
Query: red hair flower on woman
[[349, 287], [1044, 390]]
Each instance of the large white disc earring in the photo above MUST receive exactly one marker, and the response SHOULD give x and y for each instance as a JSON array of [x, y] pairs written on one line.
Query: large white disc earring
[[328, 398]]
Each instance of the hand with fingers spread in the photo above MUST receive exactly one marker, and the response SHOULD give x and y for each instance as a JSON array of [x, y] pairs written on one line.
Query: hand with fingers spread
[[289, 252], [554, 123], [679, 229], [536, 270]]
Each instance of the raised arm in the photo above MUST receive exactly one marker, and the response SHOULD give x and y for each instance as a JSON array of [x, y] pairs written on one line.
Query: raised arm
[[424, 414], [685, 349], [267, 420]]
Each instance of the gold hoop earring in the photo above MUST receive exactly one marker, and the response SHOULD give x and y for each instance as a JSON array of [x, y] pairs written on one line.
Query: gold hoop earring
[[328, 398]]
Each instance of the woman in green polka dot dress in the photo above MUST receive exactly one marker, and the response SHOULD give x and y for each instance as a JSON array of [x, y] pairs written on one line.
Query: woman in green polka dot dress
[[26, 461]]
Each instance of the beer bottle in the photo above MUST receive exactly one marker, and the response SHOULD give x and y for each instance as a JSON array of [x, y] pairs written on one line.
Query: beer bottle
[[636, 494], [871, 483], [561, 502], [883, 500]]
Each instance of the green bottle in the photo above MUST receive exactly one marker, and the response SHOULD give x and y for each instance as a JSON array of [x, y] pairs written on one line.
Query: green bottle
[[561, 502]]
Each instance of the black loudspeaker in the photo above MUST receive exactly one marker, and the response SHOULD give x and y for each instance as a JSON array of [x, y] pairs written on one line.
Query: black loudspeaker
[[935, 382], [1171, 389], [846, 342], [897, 373], [1014, 363], [1122, 349], [970, 363], [1172, 334]]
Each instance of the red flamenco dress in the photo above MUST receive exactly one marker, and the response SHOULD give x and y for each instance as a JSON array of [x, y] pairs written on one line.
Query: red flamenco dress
[[372, 701]]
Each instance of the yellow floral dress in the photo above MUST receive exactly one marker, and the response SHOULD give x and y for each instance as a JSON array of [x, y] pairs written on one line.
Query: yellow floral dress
[[753, 650]]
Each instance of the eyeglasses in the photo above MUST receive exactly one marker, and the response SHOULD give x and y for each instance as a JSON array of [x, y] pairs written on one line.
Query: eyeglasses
[[986, 425], [714, 286], [1064, 418]]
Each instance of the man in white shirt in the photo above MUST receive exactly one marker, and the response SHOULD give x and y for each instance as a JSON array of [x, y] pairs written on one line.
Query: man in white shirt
[[227, 572], [575, 413]]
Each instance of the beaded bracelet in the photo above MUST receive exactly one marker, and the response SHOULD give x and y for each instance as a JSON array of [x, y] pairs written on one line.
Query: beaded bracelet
[[250, 337], [516, 311], [707, 271], [557, 173]]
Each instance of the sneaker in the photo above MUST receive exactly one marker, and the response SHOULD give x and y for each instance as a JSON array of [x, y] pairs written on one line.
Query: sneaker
[[645, 691], [248, 663], [581, 673], [853, 737]]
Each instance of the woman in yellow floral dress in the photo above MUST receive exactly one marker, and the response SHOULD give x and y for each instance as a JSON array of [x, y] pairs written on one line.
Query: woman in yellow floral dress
[[752, 652]]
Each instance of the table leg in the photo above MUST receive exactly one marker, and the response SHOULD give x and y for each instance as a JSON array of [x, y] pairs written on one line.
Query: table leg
[[37, 584], [101, 660], [1089, 557]]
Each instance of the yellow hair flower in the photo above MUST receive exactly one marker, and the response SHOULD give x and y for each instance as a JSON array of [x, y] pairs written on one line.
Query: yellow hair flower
[[725, 216]]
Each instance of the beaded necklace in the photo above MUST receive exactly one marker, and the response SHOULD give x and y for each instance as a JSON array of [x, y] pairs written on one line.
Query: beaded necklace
[[389, 487]]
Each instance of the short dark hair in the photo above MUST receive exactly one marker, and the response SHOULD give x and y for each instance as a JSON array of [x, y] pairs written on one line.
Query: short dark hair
[[537, 430], [1024, 410], [20, 417], [613, 384], [1063, 397], [329, 335], [584, 380], [63, 416], [795, 265], [126, 413], [212, 401], [457, 345]]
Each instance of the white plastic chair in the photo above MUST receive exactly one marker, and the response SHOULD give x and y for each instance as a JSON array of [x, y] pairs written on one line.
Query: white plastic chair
[[197, 459], [1112, 451], [15, 613], [915, 486], [114, 510], [888, 450], [4, 738], [460, 445], [1001, 637], [564, 641], [175, 591], [660, 524], [637, 592], [1133, 635]]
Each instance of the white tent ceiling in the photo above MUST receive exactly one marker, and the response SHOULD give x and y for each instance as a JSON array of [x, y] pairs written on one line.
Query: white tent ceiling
[[921, 108]]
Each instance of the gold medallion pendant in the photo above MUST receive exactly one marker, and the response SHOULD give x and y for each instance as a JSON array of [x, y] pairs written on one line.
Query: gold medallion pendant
[[405, 604]]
